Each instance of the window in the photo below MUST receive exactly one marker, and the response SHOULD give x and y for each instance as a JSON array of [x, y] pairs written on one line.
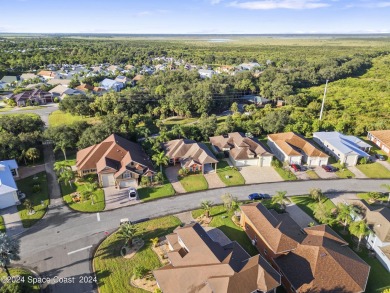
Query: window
[[126, 175], [265, 251], [13, 172]]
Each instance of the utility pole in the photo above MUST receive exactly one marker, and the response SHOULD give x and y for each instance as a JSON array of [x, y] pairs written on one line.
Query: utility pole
[[323, 100]]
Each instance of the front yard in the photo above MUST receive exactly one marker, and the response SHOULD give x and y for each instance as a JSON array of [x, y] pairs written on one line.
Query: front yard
[[36, 190], [374, 170], [312, 174], [229, 175], [113, 271], [285, 173], [342, 172], [379, 278], [154, 192], [194, 182]]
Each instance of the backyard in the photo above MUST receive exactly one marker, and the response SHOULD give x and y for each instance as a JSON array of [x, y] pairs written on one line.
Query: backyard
[[36, 190], [374, 170], [194, 182], [379, 277], [229, 175], [113, 271]]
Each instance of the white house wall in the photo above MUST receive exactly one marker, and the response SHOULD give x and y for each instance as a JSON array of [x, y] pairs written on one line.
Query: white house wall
[[375, 243]]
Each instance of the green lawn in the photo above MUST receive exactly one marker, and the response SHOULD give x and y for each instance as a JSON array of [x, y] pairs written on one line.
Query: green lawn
[[375, 149], [312, 174], [379, 277], [58, 118], [26, 185], [85, 206], [342, 173], [22, 286], [150, 193], [178, 120], [366, 197], [70, 156], [235, 177], [222, 220], [114, 272], [2, 225], [194, 182], [286, 174], [374, 170]]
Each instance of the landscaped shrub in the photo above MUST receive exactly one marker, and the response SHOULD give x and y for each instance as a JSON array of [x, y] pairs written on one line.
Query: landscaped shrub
[[276, 163], [155, 241], [139, 272], [36, 188]]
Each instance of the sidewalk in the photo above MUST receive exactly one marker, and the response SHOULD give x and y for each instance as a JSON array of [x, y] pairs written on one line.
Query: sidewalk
[[12, 221], [358, 174]]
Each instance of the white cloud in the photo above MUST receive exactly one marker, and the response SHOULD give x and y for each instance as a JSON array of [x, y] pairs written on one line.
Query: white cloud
[[279, 4], [369, 4], [214, 2]]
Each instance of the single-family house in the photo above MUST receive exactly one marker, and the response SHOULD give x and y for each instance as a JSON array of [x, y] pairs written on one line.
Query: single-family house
[[36, 96], [8, 188], [117, 162], [27, 76], [89, 88], [136, 79], [114, 68], [312, 259], [378, 220], [10, 79], [3, 85], [345, 148], [130, 67], [199, 263], [254, 99], [48, 74], [206, 73], [225, 69], [191, 155], [381, 138], [61, 91], [294, 149], [122, 79], [241, 150], [248, 66], [110, 84], [59, 81]]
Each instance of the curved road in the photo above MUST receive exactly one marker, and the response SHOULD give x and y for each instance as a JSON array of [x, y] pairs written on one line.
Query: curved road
[[62, 243]]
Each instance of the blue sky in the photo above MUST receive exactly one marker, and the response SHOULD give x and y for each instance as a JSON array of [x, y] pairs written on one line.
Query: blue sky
[[195, 16]]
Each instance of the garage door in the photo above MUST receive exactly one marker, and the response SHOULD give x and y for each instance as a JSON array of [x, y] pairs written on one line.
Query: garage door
[[128, 183], [108, 180], [7, 200]]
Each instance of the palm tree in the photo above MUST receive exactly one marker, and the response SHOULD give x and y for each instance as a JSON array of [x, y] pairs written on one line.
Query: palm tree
[[32, 154], [9, 250], [387, 186], [280, 198], [344, 214], [28, 205], [66, 176], [160, 159], [323, 214], [127, 232], [359, 229], [61, 166], [88, 191], [206, 206], [316, 194]]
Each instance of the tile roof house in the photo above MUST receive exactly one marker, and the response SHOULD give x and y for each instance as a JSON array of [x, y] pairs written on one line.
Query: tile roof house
[[136, 79], [27, 76], [36, 96], [191, 155], [48, 74], [199, 264], [59, 81], [8, 188], [114, 68], [9, 79], [123, 79], [378, 220], [241, 150], [117, 162], [381, 138], [345, 148], [295, 149], [86, 87], [61, 91], [312, 259]]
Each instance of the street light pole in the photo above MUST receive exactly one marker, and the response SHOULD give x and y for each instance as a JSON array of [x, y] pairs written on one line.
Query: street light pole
[[323, 100]]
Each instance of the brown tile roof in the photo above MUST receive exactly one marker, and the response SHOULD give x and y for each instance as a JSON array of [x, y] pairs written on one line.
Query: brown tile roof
[[290, 143], [241, 147], [138, 77], [83, 87], [47, 73], [323, 262], [198, 264], [115, 154], [189, 151], [279, 231], [382, 135]]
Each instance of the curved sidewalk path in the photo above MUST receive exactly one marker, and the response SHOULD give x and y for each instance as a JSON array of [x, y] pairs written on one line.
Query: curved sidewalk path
[[61, 244]]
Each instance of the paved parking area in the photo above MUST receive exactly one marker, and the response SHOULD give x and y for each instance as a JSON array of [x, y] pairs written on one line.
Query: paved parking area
[[300, 174], [217, 236], [253, 174], [342, 197], [12, 221], [171, 173], [325, 175], [213, 180], [116, 198]]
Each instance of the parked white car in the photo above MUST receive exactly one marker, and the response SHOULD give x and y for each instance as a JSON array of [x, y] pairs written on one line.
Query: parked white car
[[133, 195]]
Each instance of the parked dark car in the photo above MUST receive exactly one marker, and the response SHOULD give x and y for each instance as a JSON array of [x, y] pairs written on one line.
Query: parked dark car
[[296, 167], [255, 196], [380, 157], [326, 168]]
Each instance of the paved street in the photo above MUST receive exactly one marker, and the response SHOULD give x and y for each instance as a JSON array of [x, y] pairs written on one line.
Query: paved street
[[46, 246], [43, 112]]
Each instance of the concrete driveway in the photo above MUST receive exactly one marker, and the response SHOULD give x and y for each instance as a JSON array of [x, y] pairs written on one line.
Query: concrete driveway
[[300, 174], [12, 221], [254, 174], [325, 175], [29, 171], [358, 174], [171, 173], [337, 198], [213, 180], [116, 198], [299, 216]]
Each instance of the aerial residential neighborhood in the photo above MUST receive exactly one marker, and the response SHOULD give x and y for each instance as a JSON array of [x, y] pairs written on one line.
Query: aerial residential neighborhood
[[195, 146]]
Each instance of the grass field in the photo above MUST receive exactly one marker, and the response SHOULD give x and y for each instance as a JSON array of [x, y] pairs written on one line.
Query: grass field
[[114, 272], [58, 118], [26, 186], [342, 172], [307, 204], [222, 220], [87, 205], [150, 193], [374, 170], [195, 182], [20, 287], [235, 177], [286, 174], [366, 197], [178, 120]]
